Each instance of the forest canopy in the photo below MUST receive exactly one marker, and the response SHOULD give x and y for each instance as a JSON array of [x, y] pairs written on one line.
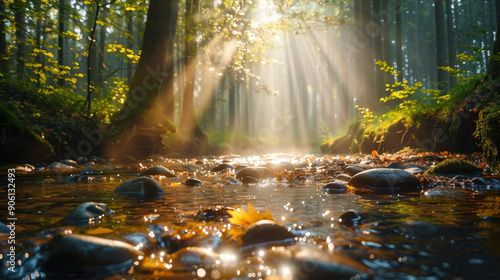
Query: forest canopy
[[191, 77]]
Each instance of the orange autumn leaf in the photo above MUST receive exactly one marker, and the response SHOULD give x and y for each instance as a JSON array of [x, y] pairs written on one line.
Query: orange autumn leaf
[[242, 218], [374, 153]]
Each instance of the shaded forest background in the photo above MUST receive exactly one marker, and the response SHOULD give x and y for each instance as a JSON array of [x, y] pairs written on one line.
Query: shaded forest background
[[236, 76]]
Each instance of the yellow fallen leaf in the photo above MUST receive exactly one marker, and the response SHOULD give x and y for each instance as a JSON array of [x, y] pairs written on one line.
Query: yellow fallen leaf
[[242, 218]]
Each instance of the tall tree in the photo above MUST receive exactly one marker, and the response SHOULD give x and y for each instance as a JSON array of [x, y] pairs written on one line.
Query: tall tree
[[441, 58], [60, 38], [3, 41], [19, 18], [451, 37], [142, 122]]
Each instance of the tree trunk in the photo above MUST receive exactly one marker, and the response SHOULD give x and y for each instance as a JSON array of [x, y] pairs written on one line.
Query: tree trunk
[[101, 66], [3, 42], [189, 130], [130, 45], [19, 17], [60, 39], [142, 122], [399, 42], [494, 67], [451, 38], [441, 58]]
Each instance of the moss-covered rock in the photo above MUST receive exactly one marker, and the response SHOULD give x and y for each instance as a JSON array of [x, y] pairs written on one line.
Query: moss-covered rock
[[488, 134], [453, 167], [18, 142]]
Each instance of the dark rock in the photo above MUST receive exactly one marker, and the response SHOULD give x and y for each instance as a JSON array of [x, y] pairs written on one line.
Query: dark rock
[[58, 165], [89, 171], [414, 169], [77, 252], [191, 168], [447, 192], [350, 218], [90, 163], [332, 172], [417, 229], [343, 177], [158, 170], [222, 167], [255, 172], [395, 165], [192, 182], [69, 162], [143, 186], [334, 188], [97, 159], [191, 258], [88, 212], [264, 231], [4, 228], [353, 170], [249, 180], [218, 213], [385, 179]]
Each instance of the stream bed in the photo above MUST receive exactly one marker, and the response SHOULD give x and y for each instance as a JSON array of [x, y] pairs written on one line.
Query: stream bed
[[447, 229]]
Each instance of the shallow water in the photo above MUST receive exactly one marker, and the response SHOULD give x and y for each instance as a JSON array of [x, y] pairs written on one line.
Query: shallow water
[[460, 239]]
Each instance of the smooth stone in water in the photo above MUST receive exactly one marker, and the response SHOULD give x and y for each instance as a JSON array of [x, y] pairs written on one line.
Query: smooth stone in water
[[69, 162], [395, 165], [80, 252], [158, 170], [192, 182], [447, 192], [343, 177], [58, 165], [264, 231], [334, 188], [255, 172], [350, 218], [353, 170], [88, 211], [385, 179], [223, 167], [249, 180], [143, 185]]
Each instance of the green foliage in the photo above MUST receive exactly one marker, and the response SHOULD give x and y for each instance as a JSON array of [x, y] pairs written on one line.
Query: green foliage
[[453, 166], [488, 134]]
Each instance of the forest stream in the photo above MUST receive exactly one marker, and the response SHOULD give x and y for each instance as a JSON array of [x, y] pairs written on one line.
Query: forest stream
[[273, 216]]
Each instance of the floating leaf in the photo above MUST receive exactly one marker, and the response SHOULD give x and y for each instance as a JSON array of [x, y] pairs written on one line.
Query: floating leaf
[[243, 218]]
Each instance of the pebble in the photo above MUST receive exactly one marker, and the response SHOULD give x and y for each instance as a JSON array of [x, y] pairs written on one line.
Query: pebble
[[385, 179], [264, 231], [88, 212], [350, 218], [58, 165], [353, 170], [255, 172], [192, 182], [158, 170], [222, 167], [334, 188]]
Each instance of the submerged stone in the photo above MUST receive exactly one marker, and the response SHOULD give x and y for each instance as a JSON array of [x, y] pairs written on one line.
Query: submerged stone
[[350, 218], [58, 165], [264, 231], [353, 170], [255, 172], [334, 188], [77, 252], [143, 185], [222, 167], [193, 182], [87, 212], [158, 170], [385, 179]]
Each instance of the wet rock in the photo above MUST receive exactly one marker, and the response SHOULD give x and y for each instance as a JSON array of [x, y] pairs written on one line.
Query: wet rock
[[255, 172], [143, 186], [192, 182], [308, 263], [58, 165], [447, 192], [69, 162], [158, 170], [332, 172], [350, 218], [191, 258], [222, 167], [414, 169], [452, 167], [90, 163], [385, 179], [218, 213], [353, 170], [191, 168], [264, 231], [146, 242], [334, 188], [343, 177], [88, 212], [395, 165], [417, 229], [97, 159], [249, 180], [89, 171], [4, 228], [77, 252], [25, 168], [230, 180]]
